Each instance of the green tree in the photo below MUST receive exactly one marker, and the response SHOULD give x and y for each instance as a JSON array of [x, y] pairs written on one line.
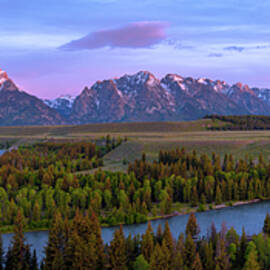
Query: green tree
[[266, 225], [218, 198], [251, 258], [141, 263]]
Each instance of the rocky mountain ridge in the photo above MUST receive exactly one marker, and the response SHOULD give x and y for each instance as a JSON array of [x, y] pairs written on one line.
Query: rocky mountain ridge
[[139, 97], [19, 108]]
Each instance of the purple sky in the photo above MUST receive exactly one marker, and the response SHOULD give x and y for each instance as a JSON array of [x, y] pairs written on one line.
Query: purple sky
[[53, 47]]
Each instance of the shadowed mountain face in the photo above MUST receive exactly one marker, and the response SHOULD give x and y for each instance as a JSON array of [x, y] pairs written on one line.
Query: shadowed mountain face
[[138, 97], [20, 108]]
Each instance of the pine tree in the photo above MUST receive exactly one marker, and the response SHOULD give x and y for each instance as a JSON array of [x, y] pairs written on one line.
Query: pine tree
[[159, 234], [218, 198], [117, 251], [207, 253], [54, 257], [131, 250], [18, 256], [34, 263], [190, 251], [1, 253], [192, 226], [100, 252], [251, 258], [197, 264], [36, 212], [141, 263], [242, 249], [147, 245], [80, 254], [222, 258], [266, 226], [159, 259], [168, 238]]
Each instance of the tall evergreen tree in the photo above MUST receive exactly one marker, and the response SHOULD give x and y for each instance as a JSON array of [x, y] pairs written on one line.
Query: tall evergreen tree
[[222, 258], [54, 252], [141, 263], [266, 225], [168, 238], [159, 259], [34, 262], [192, 226], [117, 251], [242, 249], [18, 256], [147, 245], [99, 246], [190, 251], [251, 262], [1, 253], [197, 264]]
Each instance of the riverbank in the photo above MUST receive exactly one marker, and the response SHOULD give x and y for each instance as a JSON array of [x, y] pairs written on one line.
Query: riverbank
[[185, 210], [207, 207]]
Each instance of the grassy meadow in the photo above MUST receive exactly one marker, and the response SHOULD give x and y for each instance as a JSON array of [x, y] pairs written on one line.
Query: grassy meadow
[[149, 138]]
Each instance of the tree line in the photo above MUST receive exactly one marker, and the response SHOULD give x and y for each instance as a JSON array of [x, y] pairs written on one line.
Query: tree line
[[77, 244], [240, 122]]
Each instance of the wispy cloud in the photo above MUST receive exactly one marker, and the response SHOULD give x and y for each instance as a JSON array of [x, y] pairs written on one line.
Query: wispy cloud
[[133, 35], [234, 48], [215, 55]]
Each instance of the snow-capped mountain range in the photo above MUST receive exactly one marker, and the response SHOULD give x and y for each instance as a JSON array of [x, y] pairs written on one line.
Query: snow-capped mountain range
[[138, 97]]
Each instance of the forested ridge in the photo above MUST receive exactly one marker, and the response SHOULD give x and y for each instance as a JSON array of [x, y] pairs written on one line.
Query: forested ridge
[[40, 180], [240, 122], [77, 244]]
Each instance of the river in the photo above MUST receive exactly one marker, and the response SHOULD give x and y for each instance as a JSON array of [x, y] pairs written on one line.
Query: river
[[251, 217]]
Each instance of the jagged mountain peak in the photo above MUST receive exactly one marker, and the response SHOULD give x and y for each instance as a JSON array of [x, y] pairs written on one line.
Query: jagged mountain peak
[[136, 80], [3, 76], [5, 82], [140, 77]]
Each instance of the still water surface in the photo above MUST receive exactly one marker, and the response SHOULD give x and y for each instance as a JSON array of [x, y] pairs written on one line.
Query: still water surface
[[250, 217]]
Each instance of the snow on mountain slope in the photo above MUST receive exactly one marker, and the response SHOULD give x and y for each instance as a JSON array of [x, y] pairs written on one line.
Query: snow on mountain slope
[[62, 104]]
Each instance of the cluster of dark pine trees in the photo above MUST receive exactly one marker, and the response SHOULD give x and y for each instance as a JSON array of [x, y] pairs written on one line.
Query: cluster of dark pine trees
[[240, 122], [78, 244]]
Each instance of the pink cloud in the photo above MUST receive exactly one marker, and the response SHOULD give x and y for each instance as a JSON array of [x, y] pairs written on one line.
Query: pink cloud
[[133, 35]]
